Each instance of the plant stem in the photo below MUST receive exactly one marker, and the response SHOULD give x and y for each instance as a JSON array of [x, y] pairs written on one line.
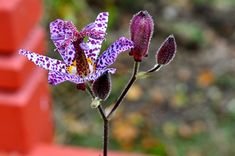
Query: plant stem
[[125, 90], [106, 130], [105, 121], [106, 137], [88, 88], [155, 68]]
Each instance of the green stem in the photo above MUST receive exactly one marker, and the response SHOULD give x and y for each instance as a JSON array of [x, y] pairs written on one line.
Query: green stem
[[125, 90]]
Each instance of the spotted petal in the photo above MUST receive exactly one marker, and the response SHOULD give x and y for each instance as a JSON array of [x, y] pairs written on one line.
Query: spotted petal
[[98, 73], [109, 56], [55, 78], [63, 34], [91, 31], [93, 43], [44, 61], [77, 79]]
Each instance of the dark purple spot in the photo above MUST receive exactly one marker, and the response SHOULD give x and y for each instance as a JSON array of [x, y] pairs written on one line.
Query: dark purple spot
[[91, 54], [70, 52], [92, 42]]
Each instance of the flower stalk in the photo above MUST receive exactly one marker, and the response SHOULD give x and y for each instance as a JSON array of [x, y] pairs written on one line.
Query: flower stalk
[[105, 123], [125, 90], [154, 69]]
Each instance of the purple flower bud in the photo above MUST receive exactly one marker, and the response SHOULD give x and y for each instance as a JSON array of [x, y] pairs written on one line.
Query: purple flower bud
[[102, 86], [141, 29], [167, 51]]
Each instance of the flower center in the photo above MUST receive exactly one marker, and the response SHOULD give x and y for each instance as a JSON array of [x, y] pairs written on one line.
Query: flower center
[[82, 65], [91, 64], [73, 68]]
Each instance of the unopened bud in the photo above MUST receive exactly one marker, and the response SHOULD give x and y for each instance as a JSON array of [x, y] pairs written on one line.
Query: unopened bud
[[167, 51], [141, 29], [102, 86]]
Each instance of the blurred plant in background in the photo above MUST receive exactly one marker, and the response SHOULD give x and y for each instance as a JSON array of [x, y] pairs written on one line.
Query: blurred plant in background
[[190, 111]]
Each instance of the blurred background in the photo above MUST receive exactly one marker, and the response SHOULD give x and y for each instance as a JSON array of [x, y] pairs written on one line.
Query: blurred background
[[185, 109]]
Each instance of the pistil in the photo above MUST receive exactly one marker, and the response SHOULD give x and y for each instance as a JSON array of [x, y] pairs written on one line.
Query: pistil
[[81, 60]]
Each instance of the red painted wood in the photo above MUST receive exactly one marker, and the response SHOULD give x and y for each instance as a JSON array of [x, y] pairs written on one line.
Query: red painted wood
[[18, 17], [25, 116], [57, 150], [14, 69]]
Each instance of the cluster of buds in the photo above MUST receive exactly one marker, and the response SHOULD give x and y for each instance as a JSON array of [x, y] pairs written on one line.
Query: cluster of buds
[[141, 30]]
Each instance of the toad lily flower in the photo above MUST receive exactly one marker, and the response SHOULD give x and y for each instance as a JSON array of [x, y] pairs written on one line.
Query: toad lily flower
[[80, 59]]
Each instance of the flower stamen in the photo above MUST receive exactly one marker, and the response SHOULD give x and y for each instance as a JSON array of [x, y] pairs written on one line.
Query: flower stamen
[[91, 64], [72, 69]]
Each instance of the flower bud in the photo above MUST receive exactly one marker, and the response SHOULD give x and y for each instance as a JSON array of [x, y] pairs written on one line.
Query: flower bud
[[102, 86], [167, 51], [141, 29]]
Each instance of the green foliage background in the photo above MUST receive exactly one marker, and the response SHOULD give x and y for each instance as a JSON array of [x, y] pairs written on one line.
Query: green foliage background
[[186, 109]]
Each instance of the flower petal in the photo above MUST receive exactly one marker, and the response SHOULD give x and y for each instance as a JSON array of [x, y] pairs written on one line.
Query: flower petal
[[98, 73], [44, 61], [95, 44], [55, 78], [91, 31], [93, 76], [109, 56], [63, 34]]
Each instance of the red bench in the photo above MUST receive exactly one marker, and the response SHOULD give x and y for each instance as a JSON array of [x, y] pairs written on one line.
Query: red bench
[[18, 17], [56, 150], [25, 115], [14, 69]]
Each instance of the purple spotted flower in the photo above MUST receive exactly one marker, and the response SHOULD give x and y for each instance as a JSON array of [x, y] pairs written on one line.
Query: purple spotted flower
[[80, 59]]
